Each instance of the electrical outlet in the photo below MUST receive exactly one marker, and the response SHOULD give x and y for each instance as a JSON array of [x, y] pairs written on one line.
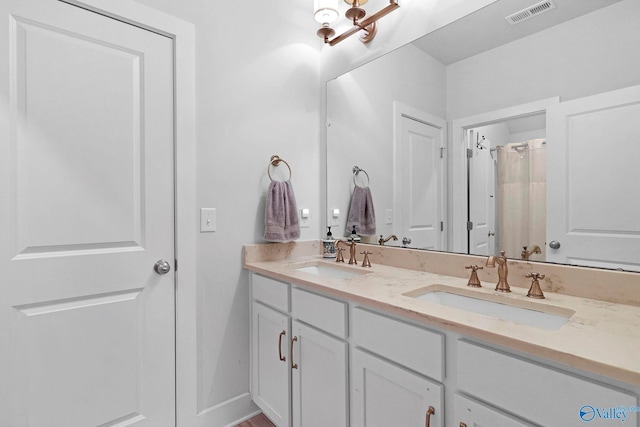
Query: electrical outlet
[[305, 217]]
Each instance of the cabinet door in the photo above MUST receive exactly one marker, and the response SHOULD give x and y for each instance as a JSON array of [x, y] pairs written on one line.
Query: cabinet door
[[319, 378], [467, 413], [270, 380], [385, 395]]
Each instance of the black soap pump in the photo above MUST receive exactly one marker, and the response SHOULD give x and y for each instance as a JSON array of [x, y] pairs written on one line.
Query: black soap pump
[[329, 245], [354, 236]]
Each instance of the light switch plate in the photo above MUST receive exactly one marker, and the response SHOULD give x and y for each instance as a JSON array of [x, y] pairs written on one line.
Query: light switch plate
[[207, 220]]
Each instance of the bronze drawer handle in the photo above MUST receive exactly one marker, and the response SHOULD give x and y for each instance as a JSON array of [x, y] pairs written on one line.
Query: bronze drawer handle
[[293, 365], [462, 424], [282, 334], [430, 412]]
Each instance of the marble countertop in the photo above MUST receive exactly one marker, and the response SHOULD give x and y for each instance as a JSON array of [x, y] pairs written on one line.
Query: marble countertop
[[600, 337]]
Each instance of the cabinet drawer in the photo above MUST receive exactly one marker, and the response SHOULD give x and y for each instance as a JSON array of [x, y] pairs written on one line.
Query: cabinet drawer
[[325, 313], [542, 394], [270, 292], [467, 412], [414, 347]]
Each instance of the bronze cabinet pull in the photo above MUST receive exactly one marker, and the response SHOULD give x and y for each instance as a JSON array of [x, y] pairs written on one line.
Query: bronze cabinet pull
[[430, 412], [462, 424], [293, 365], [282, 334]]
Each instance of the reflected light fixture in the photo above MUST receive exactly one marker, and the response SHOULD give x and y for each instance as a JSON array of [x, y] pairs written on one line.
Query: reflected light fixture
[[326, 12]]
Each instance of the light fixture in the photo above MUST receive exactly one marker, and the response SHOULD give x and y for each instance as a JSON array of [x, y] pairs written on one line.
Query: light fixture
[[326, 12]]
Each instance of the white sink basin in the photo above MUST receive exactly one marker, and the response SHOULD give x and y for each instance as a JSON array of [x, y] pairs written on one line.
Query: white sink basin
[[331, 272], [499, 307]]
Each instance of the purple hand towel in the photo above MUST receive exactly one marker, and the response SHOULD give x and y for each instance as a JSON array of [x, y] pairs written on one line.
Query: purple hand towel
[[361, 212], [281, 213]]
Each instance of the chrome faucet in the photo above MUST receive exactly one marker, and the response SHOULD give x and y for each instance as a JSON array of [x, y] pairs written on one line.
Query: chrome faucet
[[382, 240], [535, 249], [503, 271]]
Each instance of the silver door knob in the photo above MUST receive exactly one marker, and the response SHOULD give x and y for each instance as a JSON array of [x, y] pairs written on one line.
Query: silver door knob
[[162, 267], [554, 244]]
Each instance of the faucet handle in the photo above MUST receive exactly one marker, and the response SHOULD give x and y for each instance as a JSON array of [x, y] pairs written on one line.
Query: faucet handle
[[534, 290], [365, 261], [474, 282]]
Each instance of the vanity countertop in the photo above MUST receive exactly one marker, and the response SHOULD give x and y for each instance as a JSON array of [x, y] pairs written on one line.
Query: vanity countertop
[[601, 337]]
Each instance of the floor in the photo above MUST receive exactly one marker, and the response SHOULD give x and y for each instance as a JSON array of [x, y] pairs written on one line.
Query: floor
[[257, 421]]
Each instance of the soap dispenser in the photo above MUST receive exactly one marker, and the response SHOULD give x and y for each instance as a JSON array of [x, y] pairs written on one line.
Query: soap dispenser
[[354, 236], [329, 245]]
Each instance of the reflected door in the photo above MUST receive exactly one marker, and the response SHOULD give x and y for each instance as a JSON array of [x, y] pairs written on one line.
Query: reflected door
[[419, 181], [593, 180], [481, 190], [86, 210]]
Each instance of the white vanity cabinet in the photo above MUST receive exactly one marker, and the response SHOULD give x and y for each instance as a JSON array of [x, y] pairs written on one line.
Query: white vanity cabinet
[[270, 372], [537, 393], [320, 385], [320, 361], [270, 338], [390, 387], [299, 356]]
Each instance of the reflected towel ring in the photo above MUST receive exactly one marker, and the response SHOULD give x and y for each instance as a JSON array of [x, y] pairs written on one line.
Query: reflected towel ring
[[275, 161], [356, 171]]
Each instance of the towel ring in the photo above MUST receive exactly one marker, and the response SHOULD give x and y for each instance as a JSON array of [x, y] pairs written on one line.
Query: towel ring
[[356, 171], [275, 161]]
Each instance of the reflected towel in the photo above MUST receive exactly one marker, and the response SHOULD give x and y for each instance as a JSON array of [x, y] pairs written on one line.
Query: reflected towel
[[281, 213], [361, 212]]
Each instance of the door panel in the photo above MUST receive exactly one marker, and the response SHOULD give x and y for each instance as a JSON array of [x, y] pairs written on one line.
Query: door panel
[[386, 395], [481, 198], [419, 183], [320, 386], [271, 375], [86, 209], [592, 148]]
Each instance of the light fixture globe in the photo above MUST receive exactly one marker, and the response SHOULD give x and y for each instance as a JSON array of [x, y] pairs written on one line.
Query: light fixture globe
[[325, 11]]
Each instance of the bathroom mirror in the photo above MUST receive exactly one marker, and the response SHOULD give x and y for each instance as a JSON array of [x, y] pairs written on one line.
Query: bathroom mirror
[[403, 116]]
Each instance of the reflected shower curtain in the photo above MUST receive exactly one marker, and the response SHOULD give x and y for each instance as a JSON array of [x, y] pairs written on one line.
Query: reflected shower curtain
[[522, 193]]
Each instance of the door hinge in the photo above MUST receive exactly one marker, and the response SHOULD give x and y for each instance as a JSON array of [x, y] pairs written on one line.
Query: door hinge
[[469, 225], [441, 225], [175, 268], [469, 153], [442, 152]]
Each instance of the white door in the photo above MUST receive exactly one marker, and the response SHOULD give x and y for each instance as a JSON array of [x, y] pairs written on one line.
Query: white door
[[319, 378], [86, 210], [386, 395], [270, 377], [481, 189], [593, 180], [419, 181]]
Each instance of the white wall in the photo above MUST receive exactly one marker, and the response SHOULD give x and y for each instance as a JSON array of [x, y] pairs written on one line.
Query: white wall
[[579, 58], [257, 66]]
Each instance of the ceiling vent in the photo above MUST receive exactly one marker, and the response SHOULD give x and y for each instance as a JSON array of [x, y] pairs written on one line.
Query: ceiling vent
[[530, 12]]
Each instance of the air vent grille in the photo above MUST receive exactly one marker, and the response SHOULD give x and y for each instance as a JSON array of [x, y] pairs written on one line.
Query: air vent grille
[[530, 12]]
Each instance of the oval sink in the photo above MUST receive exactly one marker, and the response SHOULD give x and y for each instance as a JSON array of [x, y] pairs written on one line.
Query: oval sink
[[502, 309], [331, 272]]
